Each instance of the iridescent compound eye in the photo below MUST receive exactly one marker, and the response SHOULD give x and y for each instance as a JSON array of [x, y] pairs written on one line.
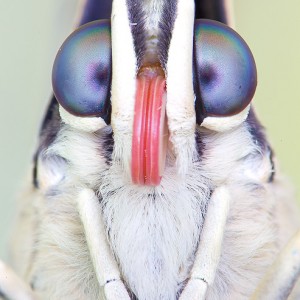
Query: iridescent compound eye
[[81, 74], [224, 70]]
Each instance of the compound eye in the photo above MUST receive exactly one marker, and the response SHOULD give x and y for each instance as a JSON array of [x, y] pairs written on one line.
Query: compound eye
[[225, 72], [81, 75]]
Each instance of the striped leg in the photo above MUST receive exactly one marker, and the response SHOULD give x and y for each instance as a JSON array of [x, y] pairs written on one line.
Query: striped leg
[[209, 251], [283, 274], [12, 287], [105, 266]]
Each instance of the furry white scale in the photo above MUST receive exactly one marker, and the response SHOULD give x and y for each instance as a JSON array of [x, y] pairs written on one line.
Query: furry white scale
[[162, 226], [153, 233]]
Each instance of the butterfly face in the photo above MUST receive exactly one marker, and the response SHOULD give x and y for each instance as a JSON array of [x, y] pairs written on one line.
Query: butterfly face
[[155, 83], [150, 146]]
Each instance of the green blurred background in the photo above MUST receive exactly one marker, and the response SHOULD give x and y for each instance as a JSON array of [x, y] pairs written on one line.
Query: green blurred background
[[31, 31]]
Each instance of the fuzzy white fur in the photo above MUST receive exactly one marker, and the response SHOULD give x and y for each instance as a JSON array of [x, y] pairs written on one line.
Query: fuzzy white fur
[[152, 221], [153, 8], [153, 232], [151, 25]]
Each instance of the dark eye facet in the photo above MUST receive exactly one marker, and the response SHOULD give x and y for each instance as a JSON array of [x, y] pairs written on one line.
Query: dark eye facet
[[81, 76], [224, 70]]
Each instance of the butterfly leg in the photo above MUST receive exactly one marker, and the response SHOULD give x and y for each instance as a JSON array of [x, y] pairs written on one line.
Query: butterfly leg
[[283, 274], [12, 287], [209, 251], [105, 265]]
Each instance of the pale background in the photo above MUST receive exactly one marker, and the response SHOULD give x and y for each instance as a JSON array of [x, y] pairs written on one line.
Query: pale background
[[31, 31]]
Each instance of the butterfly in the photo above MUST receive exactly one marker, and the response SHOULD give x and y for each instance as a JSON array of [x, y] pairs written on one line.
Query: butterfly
[[153, 178]]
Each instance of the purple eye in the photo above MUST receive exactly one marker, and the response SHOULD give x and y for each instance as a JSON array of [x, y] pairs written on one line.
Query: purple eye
[[81, 74], [224, 70]]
